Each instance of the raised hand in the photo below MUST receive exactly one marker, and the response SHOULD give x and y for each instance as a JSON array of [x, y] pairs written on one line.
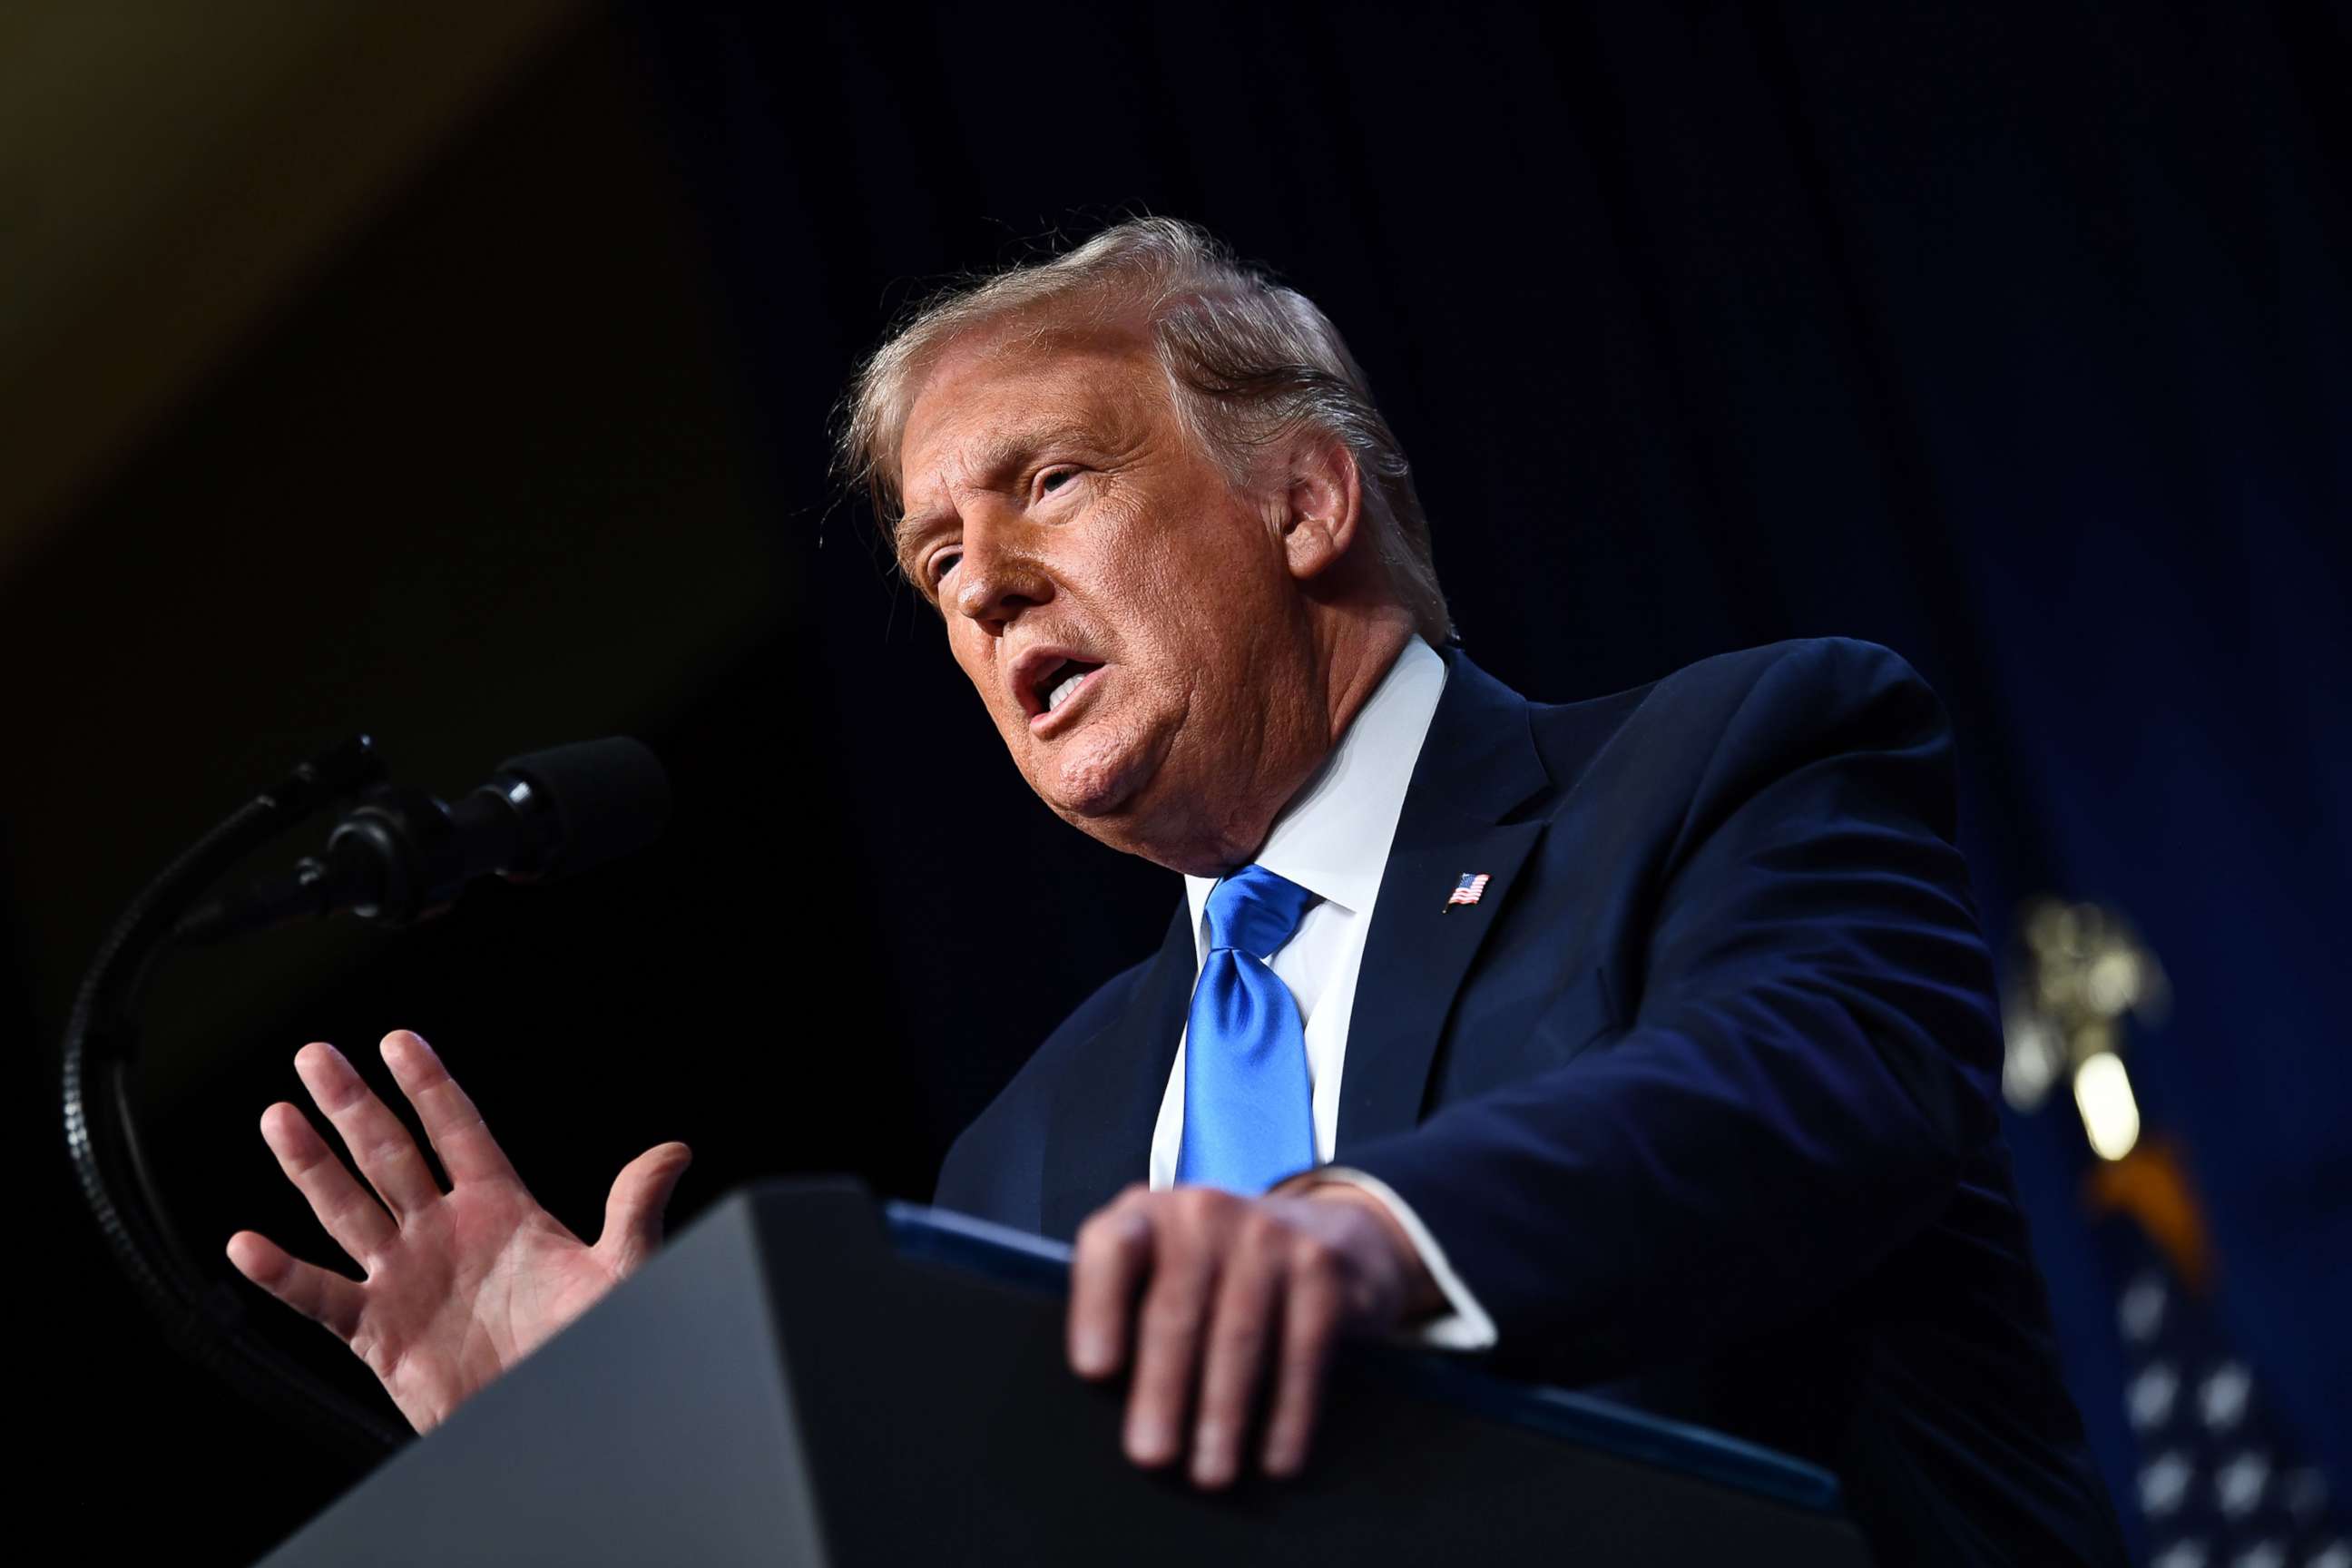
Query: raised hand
[[459, 1285]]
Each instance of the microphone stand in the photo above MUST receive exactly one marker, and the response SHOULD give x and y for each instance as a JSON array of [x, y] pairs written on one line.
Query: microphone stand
[[204, 1316]]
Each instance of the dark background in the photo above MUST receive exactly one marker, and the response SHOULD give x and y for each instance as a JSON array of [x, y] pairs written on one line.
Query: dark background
[[2019, 341]]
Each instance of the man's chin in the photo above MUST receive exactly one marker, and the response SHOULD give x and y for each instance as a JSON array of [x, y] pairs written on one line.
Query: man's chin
[[1097, 780], [1138, 806], [1095, 796]]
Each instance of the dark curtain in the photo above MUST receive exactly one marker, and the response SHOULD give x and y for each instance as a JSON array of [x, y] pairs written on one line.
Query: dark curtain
[[2017, 339]]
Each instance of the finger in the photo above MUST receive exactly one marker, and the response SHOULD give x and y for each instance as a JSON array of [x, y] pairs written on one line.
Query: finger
[[457, 1132], [1248, 1300], [1106, 1269], [386, 1155], [1168, 1330], [1311, 1313], [318, 1295], [633, 1213], [356, 1221]]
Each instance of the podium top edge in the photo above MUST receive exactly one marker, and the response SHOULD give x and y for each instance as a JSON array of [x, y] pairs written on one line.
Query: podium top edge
[[1029, 1262]]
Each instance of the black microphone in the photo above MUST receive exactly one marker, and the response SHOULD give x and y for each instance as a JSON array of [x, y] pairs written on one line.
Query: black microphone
[[400, 856]]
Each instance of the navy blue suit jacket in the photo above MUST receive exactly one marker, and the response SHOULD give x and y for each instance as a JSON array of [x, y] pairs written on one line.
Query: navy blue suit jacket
[[1698, 1098]]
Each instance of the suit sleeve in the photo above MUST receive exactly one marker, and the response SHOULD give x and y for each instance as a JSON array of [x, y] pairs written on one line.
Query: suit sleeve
[[1811, 1062]]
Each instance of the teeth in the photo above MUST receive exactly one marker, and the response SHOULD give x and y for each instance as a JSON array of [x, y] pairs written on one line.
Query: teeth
[[1061, 693]]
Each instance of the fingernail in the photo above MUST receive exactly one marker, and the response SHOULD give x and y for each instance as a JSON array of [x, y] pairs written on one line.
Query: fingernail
[[1148, 1440], [1212, 1465]]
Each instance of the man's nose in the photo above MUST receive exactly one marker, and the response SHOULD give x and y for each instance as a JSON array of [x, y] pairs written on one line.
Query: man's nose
[[998, 577]]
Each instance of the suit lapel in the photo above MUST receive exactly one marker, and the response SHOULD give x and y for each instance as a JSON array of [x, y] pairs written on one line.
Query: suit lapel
[[1099, 1128], [1478, 762]]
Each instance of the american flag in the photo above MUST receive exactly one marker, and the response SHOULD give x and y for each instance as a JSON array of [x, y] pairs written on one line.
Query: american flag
[[2221, 1481], [1466, 890]]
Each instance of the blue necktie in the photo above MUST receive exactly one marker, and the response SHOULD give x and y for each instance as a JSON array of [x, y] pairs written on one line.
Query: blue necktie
[[1249, 1116]]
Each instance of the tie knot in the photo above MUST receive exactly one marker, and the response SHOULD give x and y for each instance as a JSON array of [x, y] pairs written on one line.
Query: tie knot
[[1256, 911]]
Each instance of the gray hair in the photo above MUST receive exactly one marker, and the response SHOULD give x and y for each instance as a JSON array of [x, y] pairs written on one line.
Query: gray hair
[[1250, 363]]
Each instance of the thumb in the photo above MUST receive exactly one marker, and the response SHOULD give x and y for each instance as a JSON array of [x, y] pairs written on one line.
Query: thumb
[[633, 1213]]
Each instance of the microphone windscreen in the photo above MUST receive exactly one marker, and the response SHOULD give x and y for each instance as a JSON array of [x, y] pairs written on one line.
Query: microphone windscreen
[[609, 797]]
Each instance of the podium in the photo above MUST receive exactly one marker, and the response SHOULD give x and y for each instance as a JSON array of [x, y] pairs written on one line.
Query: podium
[[805, 1377]]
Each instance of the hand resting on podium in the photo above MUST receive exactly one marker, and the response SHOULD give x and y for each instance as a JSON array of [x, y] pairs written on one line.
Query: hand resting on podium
[[458, 1284], [1206, 1297]]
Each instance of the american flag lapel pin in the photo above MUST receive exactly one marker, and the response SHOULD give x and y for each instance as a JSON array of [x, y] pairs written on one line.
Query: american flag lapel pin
[[1469, 890]]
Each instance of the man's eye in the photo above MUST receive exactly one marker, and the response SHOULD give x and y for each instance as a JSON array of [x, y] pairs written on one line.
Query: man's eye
[[942, 564], [1053, 480]]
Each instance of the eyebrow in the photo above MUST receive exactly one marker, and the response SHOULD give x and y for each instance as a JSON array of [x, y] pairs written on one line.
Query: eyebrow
[[992, 461]]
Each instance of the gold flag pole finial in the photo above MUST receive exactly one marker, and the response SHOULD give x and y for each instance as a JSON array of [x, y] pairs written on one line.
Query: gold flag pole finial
[[2084, 974]]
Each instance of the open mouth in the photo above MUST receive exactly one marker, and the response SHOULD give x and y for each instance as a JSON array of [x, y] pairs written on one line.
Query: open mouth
[[1057, 684]]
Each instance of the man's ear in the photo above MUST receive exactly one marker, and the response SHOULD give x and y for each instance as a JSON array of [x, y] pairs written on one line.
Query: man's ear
[[1323, 505]]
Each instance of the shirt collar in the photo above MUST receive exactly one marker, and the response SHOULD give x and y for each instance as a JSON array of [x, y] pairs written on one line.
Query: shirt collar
[[1333, 837]]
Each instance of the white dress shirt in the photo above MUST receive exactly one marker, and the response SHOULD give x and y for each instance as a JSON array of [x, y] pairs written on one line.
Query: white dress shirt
[[1333, 840]]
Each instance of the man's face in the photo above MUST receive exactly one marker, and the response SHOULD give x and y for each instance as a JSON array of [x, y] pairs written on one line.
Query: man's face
[[1127, 615]]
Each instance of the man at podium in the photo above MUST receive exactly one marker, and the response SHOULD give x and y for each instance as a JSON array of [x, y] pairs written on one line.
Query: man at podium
[[1647, 1042]]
